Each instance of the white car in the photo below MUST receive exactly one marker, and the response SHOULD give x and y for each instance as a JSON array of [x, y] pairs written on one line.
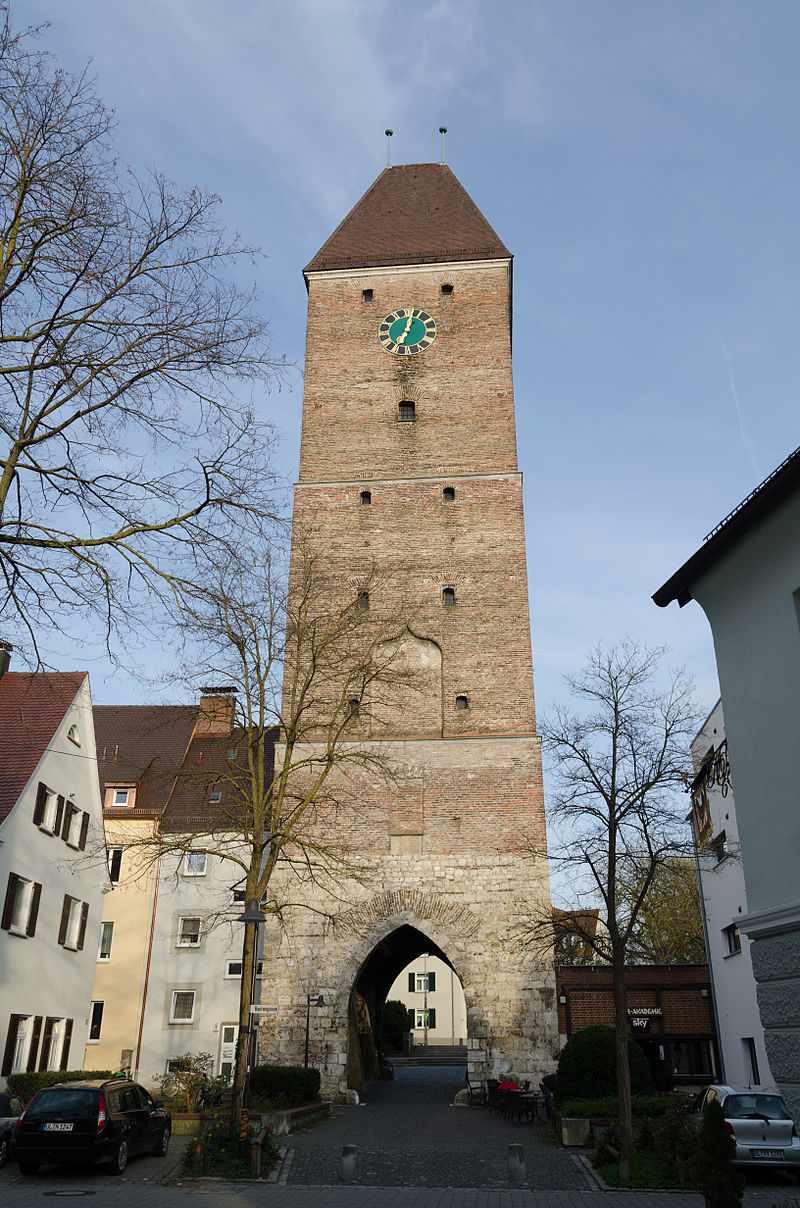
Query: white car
[[759, 1122]]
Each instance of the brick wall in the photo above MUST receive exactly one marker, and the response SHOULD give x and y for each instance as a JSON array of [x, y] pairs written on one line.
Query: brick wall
[[676, 989]]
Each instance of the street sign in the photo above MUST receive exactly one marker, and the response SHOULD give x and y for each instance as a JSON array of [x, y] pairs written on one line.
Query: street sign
[[262, 1008]]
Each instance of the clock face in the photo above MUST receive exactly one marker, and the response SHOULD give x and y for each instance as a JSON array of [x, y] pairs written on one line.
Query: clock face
[[407, 331]]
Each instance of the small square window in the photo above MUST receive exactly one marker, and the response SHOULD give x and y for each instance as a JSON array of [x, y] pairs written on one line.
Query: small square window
[[120, 796], [407, 410], [462, 702], [182, 1009], [234, 969], [366, 295], [366, 498], [447, 289], [231, 752], [216, 796], [449, 494], [448, 596], [189, 932], [732, 940], [195, 864], [363, 599], [719, 847]]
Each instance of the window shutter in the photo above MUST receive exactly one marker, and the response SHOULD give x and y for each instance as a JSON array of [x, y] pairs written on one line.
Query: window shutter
[[84, 831], [68, 809], [8, 905], [48, 1035], [34, 1049], [65, 1050], [62, 930], [34, 914], [82, 931], [41, 798], [59, 816], [431, 1017], [412, 1017], [412, 985], [11, 1044], [431, 981]]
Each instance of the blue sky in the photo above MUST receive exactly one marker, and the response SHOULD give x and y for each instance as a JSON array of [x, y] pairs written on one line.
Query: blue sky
[[640, 161]]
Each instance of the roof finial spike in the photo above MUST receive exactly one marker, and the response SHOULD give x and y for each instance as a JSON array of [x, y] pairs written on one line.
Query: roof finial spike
[[443, 132], [389, 134]]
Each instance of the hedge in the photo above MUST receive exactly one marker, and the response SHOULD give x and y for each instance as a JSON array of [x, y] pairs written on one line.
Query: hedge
[[587, 1067], [25, 1086], [284, 1085]]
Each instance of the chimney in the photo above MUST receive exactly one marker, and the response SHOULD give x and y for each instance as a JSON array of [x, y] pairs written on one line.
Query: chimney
[[5, 656], [215, 717]]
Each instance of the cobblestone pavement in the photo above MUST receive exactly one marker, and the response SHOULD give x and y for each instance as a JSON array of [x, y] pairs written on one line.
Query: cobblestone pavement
[[409, 1135]]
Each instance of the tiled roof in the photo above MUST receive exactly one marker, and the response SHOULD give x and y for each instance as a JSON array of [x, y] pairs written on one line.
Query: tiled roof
[[32, 707], [412, 214], [208, 769], [142, 745]]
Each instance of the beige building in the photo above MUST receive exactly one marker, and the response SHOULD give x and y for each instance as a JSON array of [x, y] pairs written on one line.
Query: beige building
[[434, 998]]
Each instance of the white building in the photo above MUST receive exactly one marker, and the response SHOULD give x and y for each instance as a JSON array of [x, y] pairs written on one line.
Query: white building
[[740, 1035], [430, 989], [52, 869]]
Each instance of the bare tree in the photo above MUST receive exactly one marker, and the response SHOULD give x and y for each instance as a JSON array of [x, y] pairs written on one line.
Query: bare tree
[[127, 355], [620, 765], [300, 674]]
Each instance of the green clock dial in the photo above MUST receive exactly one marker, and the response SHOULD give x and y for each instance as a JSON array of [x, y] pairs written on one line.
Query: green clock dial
[[407, 331]]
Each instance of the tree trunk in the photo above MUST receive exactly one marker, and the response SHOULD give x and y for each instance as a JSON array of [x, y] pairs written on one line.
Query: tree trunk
[[245, 1021], [623, 1064]]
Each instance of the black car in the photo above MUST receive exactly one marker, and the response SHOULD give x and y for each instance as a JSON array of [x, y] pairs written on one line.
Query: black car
[[10, 1108], [90, 1122]]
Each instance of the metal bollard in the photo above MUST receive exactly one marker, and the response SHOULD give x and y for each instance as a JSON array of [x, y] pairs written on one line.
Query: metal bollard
[[349, 1163], [517, 1173]]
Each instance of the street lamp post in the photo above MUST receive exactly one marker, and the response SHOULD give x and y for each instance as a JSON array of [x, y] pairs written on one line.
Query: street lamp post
[[320, 1002], [253, 915]]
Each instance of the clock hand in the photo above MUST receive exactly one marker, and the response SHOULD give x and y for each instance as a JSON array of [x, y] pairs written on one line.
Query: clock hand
[[402, 339]]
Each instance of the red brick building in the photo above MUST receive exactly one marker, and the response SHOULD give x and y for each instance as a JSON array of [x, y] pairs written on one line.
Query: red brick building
[[670, 1013]]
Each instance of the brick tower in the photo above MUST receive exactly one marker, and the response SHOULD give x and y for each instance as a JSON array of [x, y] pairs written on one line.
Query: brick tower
[[410, 495]]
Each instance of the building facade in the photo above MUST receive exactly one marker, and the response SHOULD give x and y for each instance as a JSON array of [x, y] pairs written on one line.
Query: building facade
[[434, 999], [723, 896], [746, 578], [410, 496], [52, 871]]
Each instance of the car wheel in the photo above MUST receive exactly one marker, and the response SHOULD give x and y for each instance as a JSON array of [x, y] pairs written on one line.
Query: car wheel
[[5, 1148], [162, 1145], [120, 1159], [28, 1167]]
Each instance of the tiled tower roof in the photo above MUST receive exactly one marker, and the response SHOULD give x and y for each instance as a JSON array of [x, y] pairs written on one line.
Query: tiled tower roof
[[412, 214]]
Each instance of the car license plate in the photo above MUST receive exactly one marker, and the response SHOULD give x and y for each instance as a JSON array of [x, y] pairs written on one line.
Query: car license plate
[[766, 1153], [56, 1127]]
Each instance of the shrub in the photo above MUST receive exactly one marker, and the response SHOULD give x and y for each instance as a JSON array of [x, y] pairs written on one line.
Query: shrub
[[721, 1184], [216, 1152], [394, 1024], [645, 1107], [25, 1086], [587, 1067], [190, 1082], [283, 1086]]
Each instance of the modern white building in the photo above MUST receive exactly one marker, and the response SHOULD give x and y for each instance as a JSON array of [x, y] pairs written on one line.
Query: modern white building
[[52, 869], [740, 1035], [431, 990], [746, 578]]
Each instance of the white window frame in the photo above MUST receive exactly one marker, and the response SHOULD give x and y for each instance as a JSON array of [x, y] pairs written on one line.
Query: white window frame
[[110, 800], [421, 983], [21, 912], [174, 1002], [732, 940], [22, 1045], [105, 927], [48, 822], [188, 871], [111, 852], [420, 1017], [56, 1041], [97, 1002], [181, 941], [238, 976], [74, 822], [73, 928]]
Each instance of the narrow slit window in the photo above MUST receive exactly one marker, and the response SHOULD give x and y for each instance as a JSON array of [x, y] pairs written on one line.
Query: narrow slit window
[[366, 295], [354, 708], [449, 494], [407, 411], [462, 702], [366, 498], [449, 597], [447, 289], [363, 600]]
